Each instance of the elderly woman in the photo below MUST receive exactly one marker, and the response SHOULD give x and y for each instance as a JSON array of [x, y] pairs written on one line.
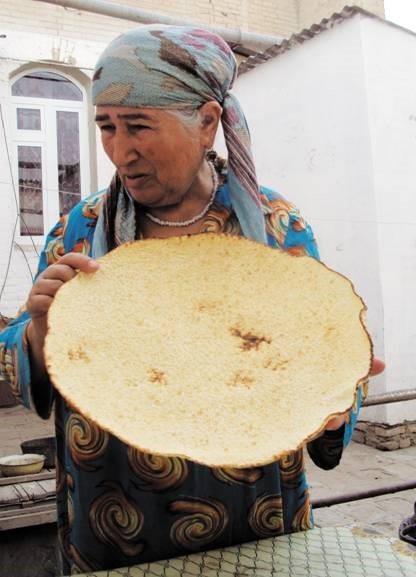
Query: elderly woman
[[160, 94]]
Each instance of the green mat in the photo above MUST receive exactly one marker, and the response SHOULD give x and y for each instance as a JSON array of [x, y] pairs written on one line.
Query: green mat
[[326, 552]]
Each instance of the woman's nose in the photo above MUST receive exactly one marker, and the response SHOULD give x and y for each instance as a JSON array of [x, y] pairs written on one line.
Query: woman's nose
[[123, 150]]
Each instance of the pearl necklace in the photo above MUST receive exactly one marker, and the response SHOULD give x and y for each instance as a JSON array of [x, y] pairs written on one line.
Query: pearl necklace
[[196, 217]]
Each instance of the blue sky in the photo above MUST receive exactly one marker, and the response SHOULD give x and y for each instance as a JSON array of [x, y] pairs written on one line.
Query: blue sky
[[401, 12]]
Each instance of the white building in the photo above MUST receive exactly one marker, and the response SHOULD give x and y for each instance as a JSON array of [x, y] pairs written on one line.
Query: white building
[[333, 122]]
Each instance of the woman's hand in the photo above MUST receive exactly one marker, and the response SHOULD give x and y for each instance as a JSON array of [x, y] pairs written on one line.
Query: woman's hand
[[377, 367], [42, 294]]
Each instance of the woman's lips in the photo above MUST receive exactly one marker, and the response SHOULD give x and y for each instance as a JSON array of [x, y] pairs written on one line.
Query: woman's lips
[[137, 179], [136, 176]]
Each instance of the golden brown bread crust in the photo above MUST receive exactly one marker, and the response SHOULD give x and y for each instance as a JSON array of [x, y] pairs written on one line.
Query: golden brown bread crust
[[210, 347]]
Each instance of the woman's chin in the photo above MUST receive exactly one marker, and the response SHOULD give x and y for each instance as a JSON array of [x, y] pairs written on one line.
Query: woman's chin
[[146, 198]]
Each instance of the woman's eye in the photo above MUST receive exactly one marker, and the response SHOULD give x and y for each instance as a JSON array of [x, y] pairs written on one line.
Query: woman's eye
[[137, 127], [106, 127]]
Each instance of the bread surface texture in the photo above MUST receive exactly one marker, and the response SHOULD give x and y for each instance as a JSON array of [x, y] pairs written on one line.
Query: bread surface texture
[[210, 347]]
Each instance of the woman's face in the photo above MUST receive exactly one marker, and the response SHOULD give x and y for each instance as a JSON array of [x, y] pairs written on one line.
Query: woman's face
[[157, 157]]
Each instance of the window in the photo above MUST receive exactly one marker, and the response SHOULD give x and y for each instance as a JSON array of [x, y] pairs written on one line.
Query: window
[[50, 148], [46, 85]]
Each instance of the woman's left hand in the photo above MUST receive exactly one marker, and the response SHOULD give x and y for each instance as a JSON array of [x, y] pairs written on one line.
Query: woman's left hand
[[377, 367]]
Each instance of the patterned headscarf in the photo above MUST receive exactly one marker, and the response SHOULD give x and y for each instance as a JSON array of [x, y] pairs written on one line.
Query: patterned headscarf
[[181, 67]]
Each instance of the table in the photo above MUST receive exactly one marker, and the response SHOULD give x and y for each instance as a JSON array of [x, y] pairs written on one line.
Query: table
[[321, 552], [27, 500]]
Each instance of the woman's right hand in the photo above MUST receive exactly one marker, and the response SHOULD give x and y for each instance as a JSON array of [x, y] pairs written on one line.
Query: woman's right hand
[[43, 292]]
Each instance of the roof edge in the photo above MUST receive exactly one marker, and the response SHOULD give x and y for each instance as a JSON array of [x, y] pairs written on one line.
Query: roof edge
[[306, 34]]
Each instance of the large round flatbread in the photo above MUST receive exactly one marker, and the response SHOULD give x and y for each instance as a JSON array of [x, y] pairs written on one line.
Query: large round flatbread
[[214, 348]]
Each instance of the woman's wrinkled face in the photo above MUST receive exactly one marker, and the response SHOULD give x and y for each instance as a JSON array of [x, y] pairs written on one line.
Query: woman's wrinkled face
[[157, 156]]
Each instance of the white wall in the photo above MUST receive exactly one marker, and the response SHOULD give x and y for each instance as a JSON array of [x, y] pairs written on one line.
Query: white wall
[[390, 63], [321, 118]]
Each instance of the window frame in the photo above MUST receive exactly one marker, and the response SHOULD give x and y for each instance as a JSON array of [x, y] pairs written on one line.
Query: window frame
[[46, 138]]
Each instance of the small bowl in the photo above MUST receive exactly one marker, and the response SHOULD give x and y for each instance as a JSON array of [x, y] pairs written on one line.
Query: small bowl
[[21, 464]]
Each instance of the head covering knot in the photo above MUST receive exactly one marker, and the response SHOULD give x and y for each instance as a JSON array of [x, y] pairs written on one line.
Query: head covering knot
[[181, 67]]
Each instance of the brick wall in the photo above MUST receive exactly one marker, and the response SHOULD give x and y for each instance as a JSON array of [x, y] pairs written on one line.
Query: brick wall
[[314, 11], [280, 18], [270, 17], [267, 16], [384, 436]]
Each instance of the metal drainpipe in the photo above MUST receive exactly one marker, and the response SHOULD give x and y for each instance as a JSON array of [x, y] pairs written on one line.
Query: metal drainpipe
[[393, 397], [233, 36], [358, 495]]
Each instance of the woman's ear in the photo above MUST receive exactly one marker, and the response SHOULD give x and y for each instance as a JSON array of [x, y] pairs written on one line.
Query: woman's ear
[[210, 114]]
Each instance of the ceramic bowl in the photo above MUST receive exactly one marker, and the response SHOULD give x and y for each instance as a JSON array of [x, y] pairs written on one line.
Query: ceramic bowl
[[21, 464]]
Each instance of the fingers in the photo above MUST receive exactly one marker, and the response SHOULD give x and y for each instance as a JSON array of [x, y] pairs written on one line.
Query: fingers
[[45, 289], [49, 282], [68, 265], [38, 305], [79, 261], [377, 367], [50, 286]]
